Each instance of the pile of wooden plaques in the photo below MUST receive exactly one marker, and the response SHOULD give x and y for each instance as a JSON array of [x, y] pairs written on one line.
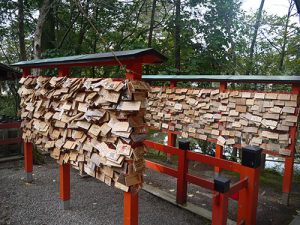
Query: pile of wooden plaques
[[236, 117], [97, 125]]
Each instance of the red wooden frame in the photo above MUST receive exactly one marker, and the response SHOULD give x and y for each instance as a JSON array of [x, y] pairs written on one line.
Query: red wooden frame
[[246, 188], [288, 160], [10, 125], [133, 72]]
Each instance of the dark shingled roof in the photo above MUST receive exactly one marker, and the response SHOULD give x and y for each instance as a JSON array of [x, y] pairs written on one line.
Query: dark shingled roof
[[146, 56], [8, 73], [225, 78]]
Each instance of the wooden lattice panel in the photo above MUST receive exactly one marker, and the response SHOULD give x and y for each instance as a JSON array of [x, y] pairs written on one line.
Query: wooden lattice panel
[[97, 125], [231, 118]]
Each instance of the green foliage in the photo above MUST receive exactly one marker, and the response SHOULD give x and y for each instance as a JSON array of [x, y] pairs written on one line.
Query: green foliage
[[7, 106], [215, 35]]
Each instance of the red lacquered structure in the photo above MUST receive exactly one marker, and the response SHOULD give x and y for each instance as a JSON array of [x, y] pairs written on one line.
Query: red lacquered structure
[[245, 191]]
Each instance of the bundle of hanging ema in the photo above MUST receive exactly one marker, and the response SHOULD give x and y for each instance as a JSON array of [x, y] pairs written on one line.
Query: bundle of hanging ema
[[96, 125]]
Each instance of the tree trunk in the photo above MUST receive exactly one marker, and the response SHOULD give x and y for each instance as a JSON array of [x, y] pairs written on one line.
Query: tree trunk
[[151, 24], [151, 28], [37, 41], [83, 28], [48, 33], [177, 36], [21, 30], [253, 42], [285, 35]]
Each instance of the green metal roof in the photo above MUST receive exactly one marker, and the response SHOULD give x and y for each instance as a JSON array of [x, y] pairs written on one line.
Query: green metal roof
[[131, 55], [224, 78]]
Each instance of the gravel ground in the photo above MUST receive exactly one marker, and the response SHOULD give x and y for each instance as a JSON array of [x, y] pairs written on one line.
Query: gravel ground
[[92, 202]]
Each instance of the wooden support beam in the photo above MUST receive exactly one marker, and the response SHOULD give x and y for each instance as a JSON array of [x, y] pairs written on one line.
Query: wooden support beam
[[248, 196], [131, 208], [28, 161], [64, 169], [64, 184], [289, 161], [220, 209], [134, 71], [219, 148]]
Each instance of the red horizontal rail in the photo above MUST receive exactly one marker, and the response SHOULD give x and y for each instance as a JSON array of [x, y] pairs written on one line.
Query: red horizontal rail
[[238, 186], [211, 140], [200, 182], [162, 148], [224, 164], [10, 125], [10, 141], [161, 168]]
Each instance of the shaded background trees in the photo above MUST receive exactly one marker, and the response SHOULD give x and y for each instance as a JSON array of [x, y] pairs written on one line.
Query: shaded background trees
[[198, 36]]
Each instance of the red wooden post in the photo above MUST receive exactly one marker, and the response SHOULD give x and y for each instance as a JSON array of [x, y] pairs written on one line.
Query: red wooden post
[[171, 139], [131, 203], [171, 136], [248, 197], [131, 211], [289, 160], [219, 154], [63, 71], [26, 72], [219, 148], [64, 169], [64, 184], [134, 71], [131, 208], [181, 194], [28, 161], [220, 209]]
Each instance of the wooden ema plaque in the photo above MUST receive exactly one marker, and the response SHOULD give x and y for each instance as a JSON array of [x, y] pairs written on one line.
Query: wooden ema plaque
[[96, 125], [231, 118]]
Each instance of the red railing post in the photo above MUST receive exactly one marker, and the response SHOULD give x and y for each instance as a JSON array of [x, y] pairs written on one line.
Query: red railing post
[[171, 142], [220, 200], [248, 197], [28, 161], [181, 194], [219, 154], [131, 203], [289, 160], [220, 209]]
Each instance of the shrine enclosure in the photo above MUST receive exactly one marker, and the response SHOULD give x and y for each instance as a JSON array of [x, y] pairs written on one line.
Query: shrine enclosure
[[61, 115], [72, 119], [230, 117]]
